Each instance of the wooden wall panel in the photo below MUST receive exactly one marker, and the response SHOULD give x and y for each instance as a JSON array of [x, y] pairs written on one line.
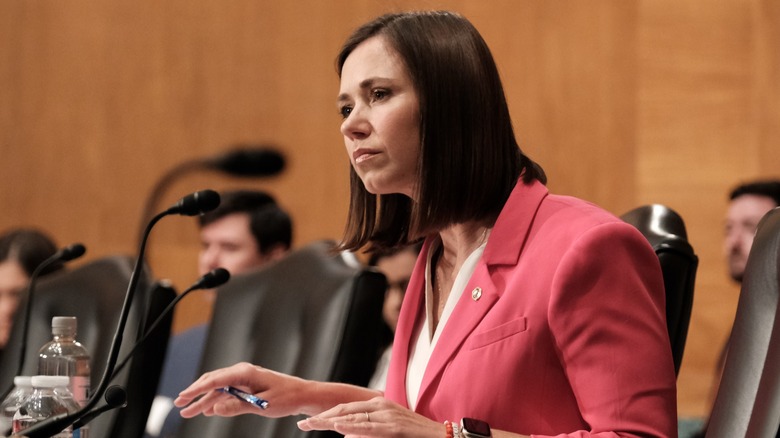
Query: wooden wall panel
[[766, 93], [695, 108], [707, 89], [623, 103]]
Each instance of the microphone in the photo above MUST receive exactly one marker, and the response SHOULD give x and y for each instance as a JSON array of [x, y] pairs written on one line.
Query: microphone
[[243, 160], [116, 397], [66, 254], [210, 280], [195, 203], [214, 278], [53, 425], [248, 161], [70, 252]]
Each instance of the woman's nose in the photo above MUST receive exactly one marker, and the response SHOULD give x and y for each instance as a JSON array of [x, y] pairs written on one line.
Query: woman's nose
[[355, 126]]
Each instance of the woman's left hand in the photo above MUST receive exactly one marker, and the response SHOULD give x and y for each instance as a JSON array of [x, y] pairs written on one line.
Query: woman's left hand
[[377, 417]]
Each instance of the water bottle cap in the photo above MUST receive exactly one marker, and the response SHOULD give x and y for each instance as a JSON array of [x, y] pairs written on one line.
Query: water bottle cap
[[63, 325], [50, 381], [25, 381]]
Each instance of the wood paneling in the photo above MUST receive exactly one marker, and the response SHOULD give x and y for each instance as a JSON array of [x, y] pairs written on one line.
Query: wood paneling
[[707, 92], [623, 103]]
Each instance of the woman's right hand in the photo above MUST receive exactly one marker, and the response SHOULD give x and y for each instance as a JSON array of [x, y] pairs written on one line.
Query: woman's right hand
[[285, 394]]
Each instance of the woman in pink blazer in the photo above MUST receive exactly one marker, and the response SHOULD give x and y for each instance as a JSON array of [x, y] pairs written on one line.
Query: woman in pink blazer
[[528, 314]]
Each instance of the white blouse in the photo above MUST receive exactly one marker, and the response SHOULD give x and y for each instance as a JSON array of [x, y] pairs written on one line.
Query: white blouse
[[426, 337]]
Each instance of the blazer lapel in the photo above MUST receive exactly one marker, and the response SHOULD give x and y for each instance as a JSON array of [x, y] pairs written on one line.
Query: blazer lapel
[[503, 248], [466, 315], [412, 309]]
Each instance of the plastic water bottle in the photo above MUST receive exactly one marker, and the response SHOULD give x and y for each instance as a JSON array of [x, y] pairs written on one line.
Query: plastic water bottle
[[63, 392], [22, 389], [65, 356], [42, 404]]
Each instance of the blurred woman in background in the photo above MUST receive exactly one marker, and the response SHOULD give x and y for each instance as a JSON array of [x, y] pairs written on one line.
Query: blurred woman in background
[[21, 251]]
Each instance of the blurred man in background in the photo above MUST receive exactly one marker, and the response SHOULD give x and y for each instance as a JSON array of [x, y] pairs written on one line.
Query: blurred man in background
[[247, 231], [748, 203]]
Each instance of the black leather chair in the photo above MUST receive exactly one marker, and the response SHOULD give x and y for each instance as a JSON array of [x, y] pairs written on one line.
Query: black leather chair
[[314, 314], [665, 230], [94, 293], [748, 399]]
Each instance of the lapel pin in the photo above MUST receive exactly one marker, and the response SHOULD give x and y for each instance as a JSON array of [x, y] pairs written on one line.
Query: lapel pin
[[476, 294]]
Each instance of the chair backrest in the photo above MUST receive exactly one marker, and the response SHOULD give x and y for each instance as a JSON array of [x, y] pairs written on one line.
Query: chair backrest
[[748, 399], [313, 314], [94, 293], [665, 230]]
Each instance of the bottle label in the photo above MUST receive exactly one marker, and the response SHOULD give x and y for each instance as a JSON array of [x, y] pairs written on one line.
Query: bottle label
[[79, 386], [21, 421], [82, 432]]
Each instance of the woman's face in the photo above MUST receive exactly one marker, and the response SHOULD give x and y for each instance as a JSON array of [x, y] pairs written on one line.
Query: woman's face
[[13, 280], [381, 113]]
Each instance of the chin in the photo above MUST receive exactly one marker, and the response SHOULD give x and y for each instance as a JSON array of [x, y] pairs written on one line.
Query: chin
[[384, 183], [373, 185], [374, 190]]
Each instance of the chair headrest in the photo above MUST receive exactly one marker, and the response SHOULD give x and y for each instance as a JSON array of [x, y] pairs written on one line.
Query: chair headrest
[[658, 223]]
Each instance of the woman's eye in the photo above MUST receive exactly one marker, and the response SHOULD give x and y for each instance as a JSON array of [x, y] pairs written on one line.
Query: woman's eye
[[345, 111], [379, 94]]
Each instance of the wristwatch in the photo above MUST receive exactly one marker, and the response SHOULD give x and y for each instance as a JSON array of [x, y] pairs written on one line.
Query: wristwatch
[[473, 428]]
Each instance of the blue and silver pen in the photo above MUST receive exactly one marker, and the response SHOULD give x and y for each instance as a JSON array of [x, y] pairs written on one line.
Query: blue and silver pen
[[245, 396]]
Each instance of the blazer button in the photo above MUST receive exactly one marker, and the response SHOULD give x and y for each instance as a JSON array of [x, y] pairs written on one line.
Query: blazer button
[[476, 294]]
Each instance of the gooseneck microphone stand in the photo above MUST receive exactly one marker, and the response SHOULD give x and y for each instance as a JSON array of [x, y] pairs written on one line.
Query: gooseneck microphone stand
[[190, 205]]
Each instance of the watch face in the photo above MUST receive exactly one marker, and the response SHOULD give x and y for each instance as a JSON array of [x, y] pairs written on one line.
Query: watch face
[[475, 427]]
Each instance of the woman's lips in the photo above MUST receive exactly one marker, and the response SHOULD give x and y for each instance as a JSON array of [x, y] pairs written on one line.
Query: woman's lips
[[362, 155]]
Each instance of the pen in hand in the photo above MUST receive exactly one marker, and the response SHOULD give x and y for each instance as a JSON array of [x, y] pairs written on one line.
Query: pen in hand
[[245, 396]]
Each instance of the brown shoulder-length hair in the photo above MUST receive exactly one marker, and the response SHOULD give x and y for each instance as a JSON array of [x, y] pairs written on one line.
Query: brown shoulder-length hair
[[469, 158]]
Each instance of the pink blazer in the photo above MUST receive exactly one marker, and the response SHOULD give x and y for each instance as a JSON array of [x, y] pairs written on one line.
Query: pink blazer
[[568, 336]]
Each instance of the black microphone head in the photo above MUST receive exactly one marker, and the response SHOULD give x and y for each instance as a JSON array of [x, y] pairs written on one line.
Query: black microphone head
[[115, 396], [214, 278], [196, 203], [72, 252], [249, 161]]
